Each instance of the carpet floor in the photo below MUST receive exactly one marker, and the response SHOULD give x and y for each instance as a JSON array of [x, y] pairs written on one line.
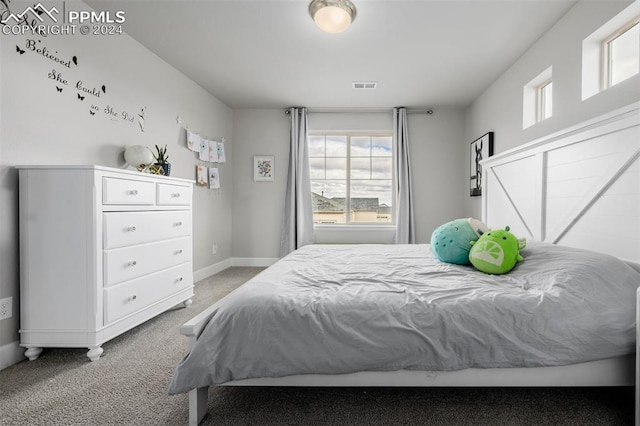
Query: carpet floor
[[128, 386]]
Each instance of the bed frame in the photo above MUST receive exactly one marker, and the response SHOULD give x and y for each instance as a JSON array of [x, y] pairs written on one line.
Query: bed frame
[[561, 189]]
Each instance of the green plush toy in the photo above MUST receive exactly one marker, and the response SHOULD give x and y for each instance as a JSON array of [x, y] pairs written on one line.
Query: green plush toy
[[496, 252], [450, 241]]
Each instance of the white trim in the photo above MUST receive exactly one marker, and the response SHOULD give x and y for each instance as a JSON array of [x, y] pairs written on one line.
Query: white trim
[[354, 227], [210, 270], [631, 111], [617, 371], [131, 172], [606, 58], [253, 261], [531, 98], [10, 354]]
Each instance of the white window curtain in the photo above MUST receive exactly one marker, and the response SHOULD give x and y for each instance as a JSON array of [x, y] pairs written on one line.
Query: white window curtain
[[297, 224], [405, 227]]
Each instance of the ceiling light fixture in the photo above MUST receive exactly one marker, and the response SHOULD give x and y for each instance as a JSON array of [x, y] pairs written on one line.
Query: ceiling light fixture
[[332, 16]]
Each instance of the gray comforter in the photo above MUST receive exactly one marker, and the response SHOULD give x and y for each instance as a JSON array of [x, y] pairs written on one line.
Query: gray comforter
[[342, 309]]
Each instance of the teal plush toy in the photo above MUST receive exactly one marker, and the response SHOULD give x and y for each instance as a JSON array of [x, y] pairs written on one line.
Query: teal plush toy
[[450, 241], [496, 252]]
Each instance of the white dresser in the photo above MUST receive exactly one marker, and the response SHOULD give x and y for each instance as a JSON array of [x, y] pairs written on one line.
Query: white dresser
[[101, 251]]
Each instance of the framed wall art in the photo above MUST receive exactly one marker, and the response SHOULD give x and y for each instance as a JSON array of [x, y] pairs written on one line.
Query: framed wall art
[[263, 168], [481, 148]]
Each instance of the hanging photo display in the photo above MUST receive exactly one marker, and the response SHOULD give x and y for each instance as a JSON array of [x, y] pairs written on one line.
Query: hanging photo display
[[208, 150]]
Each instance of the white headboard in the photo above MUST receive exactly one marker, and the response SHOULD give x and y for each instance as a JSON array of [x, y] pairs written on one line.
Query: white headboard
[[579, 187]]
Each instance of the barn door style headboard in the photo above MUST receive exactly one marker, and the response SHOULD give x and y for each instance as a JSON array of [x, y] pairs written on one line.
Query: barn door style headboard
[[579, 187]]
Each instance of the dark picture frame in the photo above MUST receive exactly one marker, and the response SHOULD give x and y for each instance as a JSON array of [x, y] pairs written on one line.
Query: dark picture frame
[[481, 149]]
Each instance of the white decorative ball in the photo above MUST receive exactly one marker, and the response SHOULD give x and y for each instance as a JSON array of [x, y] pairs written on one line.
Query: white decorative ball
[[138, 155]]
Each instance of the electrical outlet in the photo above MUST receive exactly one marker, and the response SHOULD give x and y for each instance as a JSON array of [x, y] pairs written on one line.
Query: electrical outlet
[[6, 308], [214, 249]]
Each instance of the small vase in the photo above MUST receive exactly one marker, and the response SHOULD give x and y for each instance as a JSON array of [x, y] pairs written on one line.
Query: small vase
[[166, 167]]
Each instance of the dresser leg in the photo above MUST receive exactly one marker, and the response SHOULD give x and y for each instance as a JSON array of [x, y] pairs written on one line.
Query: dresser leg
[[187, 303], [33, 353], [94, 353]]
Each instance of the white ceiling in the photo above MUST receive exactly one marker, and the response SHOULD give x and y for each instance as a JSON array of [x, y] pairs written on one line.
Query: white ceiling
[[269, 54]]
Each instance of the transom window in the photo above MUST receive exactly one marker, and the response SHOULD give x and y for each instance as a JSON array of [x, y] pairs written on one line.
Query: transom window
[[537, 99], [351, 178], [611, 54], [621, 54], [545, 100]]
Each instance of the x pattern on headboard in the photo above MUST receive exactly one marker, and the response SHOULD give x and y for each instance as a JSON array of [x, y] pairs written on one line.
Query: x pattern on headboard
[[579, 187]]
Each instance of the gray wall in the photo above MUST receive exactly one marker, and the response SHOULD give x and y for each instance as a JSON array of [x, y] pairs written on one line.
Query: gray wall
[[439, 177], [258, 206], [499, 108], [437, 143], [40, 125]]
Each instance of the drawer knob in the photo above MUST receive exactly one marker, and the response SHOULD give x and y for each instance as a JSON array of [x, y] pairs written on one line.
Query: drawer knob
[[134, 297], [132, 229], [133, 192], [133, 263], [178, 224], [179, 251], [176, 195], [179, 279]]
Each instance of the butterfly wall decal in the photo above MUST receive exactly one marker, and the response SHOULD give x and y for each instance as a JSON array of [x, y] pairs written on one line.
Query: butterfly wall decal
[[75, 60], [80, 97], [20, 51], [92, 112], [59, 89]]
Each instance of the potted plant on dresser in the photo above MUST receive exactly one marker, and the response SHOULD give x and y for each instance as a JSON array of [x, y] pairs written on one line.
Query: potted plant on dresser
[[161, 158]]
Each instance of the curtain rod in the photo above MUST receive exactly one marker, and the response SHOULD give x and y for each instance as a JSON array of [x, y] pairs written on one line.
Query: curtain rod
[[423, 110]]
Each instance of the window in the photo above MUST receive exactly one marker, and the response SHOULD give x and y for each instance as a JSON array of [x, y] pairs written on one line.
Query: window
[[537, 99], [351, 178], [543, 102], [611, 54], [621, 54]]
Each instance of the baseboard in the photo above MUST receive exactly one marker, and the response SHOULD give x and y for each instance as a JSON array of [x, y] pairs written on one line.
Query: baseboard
[[206, 272], [10, 354], [253, 261], [210, 270]]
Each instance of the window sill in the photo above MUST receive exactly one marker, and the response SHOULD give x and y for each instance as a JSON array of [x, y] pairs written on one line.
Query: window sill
[[351, 227]]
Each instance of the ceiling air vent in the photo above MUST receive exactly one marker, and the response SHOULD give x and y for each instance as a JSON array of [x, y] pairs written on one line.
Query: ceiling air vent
[[364, 85]]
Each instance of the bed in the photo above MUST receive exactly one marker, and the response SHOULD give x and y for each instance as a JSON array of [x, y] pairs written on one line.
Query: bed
[[376, 315]]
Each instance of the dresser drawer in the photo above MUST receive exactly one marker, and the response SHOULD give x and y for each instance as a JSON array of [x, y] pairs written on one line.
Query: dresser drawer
[[127, 191], [122, 229], [124, 264], [132, 296], [173, 195]]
